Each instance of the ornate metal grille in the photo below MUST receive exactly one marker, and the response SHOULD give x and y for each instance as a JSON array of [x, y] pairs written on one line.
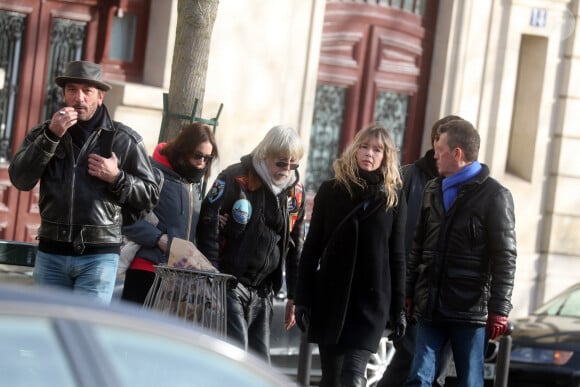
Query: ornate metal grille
[[325, 134], [391, 112], [11, 30], [414, 6], [66, 44]]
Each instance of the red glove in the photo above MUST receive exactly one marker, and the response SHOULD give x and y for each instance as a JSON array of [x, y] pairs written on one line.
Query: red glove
[[496, 325]]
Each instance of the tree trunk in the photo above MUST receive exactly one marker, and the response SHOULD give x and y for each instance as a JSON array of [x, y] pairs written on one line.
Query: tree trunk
[[195, 20]]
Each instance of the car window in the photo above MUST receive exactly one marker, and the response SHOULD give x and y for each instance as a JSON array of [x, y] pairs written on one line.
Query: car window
[[142, 359], [566, 304], [31, 354]]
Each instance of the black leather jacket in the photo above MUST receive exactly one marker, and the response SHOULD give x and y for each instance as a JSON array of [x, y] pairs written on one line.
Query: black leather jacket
[[74, 206], [463, 261]]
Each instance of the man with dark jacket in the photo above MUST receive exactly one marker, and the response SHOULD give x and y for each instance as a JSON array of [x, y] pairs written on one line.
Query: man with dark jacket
[[461, 267], [89, 168], [262, 203], [415, 177]]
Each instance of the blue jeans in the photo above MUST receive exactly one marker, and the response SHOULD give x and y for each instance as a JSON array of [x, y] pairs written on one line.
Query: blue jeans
[[93, 275], [398, 368], [468, 345]]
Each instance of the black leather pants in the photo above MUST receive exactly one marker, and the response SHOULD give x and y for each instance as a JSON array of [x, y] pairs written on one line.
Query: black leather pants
[[343, 366], [249, 317]]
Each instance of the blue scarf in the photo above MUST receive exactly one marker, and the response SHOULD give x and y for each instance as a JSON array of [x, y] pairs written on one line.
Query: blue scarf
[[453, 183]]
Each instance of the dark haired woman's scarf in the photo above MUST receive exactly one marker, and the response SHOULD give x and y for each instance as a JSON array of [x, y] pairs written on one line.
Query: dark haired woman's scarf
[[189, 172]]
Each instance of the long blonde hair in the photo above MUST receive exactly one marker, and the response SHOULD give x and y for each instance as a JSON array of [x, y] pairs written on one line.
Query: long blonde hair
[[346, 167]]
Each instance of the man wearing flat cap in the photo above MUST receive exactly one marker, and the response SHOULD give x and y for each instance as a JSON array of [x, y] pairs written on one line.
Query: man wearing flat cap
[[91, 170]]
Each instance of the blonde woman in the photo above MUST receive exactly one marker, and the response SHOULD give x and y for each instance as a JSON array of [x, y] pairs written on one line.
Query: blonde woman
[[352, 269]]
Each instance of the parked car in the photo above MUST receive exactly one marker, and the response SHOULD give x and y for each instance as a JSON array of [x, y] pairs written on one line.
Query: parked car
[[546, 344], [285, 349], [545, 348], [16, 261], [285, 345], [55, 338]]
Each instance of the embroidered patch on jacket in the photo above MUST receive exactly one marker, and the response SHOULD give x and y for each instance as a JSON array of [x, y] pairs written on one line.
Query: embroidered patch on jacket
[[217, 190], [242, 211], [295, 197], [243, 181]]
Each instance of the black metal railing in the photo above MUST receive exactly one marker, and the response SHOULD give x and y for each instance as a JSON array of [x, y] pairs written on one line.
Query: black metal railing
[[66, 44], [413, 6], [11, 37]]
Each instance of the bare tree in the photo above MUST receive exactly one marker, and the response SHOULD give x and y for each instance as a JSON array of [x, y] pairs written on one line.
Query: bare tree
[[195, 20]]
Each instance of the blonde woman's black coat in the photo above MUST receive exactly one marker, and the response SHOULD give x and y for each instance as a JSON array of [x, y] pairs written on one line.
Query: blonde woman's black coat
[[351, 274]]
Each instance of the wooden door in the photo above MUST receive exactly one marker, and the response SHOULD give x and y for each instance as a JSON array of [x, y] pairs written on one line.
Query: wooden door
[[43, 36], [374, 67]]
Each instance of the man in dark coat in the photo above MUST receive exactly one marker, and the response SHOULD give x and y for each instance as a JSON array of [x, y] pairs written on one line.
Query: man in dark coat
[[262, 199], [461, 267], [90, 170]]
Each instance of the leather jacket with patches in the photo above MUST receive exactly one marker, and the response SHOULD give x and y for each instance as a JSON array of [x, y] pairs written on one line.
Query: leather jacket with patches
[[76, 207], [263, 231]]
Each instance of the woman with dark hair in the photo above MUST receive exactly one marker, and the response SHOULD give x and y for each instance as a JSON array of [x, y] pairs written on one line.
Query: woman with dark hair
[[351, 281], [184, 162]]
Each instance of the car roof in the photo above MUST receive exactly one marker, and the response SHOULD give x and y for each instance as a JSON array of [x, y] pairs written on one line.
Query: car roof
[[559, 299], [22, 300]]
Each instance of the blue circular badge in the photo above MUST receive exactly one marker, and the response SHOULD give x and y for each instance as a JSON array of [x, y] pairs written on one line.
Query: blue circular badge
[[242, 211]]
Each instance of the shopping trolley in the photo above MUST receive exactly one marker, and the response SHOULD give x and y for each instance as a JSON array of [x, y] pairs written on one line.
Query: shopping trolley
[[195, 296]]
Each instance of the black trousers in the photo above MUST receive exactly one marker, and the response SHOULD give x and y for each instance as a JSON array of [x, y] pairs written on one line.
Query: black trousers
[[137, 285], [249, 317], [342, 364]]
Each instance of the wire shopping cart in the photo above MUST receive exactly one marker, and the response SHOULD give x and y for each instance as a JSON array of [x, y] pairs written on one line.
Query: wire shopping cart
[[195, 296]]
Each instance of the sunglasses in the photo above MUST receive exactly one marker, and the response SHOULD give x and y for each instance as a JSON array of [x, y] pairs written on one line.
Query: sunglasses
[[199, 156], [284, 164]]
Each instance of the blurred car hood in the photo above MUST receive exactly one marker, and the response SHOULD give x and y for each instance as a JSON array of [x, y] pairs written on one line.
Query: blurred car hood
[[544, 330]]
